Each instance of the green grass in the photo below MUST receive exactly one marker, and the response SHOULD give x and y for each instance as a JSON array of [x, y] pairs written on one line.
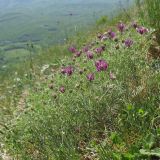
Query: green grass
[[11, 91], [151, 13], [104, 119], [153, 8]]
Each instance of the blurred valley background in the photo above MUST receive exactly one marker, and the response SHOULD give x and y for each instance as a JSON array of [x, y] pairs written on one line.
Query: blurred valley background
[[46, 22]]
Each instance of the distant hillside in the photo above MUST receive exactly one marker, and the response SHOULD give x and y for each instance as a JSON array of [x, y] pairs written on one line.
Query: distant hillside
[[45, 22], [12, 3], [8, 4]]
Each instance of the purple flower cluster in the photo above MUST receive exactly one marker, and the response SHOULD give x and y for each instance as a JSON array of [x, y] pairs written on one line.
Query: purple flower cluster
[[77, 53], [142, 30], [121, 27], [128, 42], [101, 65], [85, 49], [99, 50], [72, 49], [89, 55], [111, 34], [89, 51], [67, 70]]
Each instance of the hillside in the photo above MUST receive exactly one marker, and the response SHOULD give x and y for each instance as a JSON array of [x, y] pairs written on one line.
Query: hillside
[[98, 99]]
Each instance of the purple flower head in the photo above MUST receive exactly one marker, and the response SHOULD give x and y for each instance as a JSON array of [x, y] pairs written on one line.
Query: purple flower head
[[101, 65], [99, 50], [90, 77], [128, 42], [134, 24], [62, 89], [121, 27], [72, 49], [67, 70], [86, 49], [112, 76], [111, 34], [89, 55], [142, 30], [77, 53]]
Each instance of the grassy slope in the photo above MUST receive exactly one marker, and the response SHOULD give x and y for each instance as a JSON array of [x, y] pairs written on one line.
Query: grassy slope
[[105, 119], [11, 91]]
